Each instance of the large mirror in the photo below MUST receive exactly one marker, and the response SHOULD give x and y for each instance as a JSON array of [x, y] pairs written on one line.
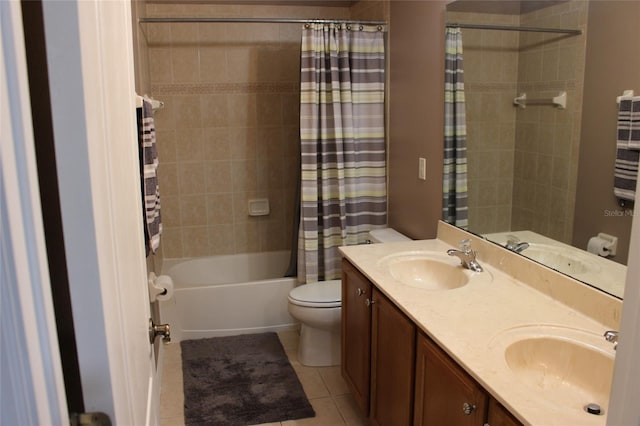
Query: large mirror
[[538, 173]]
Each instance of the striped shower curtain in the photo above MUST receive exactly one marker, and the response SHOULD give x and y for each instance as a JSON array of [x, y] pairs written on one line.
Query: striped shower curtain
[[454, 206], [343, 159]]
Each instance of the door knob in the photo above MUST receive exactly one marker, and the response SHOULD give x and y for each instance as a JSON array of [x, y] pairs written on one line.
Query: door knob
[[360, 292], [159, 330], [467, 408]]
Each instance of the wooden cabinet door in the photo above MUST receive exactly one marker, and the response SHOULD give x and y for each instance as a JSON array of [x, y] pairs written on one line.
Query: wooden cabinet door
[[392, 364], [445, 394], [356, 334], [499, 416]]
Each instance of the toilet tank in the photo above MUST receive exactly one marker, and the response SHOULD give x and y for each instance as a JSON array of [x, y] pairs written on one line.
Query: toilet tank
[[386, 235]]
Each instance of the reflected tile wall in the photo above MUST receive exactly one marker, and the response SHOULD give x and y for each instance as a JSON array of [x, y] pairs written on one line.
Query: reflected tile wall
[[522, 163], [229, 129]]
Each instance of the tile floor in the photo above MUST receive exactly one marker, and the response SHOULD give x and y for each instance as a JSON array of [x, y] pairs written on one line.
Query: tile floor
[[326, 390]]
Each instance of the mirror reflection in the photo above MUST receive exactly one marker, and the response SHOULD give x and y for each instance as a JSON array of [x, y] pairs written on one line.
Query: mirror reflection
[[540, 174]]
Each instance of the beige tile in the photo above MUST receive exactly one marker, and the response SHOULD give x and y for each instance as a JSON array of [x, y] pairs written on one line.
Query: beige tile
[[213, 64], [172, 421], [171, 241], [332, 378], [164, 119], [268, 109], [171, 210], [289, 339], [242, 110], [191, 178], [216, 144], [240, 64], [187, 111], [193, 210], [211, 35], [269, 142], [218, 177], [272, 235], [183, 34], [195, 241], [185, 62], [244, 175], [158, 34], [219, 209], [166, 143], [189, 144], [168, 178], [242, 142], [172, 354], [246, 237], [221, 239], [215, 110], [350, 410], [312, 382], [326, 414], [160, 63]]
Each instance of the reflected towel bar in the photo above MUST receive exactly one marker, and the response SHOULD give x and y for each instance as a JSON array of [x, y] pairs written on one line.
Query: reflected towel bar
[[559, 101]]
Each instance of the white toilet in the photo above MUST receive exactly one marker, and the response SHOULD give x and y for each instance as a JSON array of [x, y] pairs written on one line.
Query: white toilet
[[318, 308]]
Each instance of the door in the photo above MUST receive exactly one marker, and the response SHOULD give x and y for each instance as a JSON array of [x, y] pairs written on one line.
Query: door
[[392, 364], [90, 60], [356, 333]]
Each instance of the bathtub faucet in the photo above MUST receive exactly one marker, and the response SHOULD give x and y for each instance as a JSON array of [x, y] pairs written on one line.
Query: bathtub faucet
[[466, 255]]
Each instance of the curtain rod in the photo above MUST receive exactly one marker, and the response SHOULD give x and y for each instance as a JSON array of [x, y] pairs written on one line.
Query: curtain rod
[[257, 20], [514, 28]]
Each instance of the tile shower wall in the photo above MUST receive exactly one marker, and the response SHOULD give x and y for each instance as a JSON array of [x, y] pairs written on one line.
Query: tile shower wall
[[229, 129], [522, 163], [547, 138], [491, 76]]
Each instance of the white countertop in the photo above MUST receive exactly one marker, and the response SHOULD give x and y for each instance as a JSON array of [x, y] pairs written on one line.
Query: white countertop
[[468, 323]]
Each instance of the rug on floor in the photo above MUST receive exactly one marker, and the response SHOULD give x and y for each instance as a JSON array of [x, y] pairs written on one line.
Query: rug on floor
[[240, 380]]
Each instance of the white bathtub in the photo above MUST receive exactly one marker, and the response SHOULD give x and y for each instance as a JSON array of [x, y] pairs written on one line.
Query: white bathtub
[[227, 295]]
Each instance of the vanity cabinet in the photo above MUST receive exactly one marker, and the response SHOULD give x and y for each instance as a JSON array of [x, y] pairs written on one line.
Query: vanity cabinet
[[398, 375], [378, 350], [444, 393], [499, 416]]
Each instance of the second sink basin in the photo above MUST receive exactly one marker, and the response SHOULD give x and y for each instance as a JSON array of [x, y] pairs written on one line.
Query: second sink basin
[[564, 365], [431, 271]]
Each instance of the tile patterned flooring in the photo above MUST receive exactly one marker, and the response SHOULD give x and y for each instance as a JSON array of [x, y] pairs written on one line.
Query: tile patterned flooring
[[326, 390]]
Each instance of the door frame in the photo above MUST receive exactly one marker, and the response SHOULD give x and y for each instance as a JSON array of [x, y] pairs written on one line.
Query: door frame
[[32, 386]]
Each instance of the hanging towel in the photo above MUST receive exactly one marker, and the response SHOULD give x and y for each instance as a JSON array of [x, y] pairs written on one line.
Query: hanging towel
[[148, 176], [634, 133], [628, 137]]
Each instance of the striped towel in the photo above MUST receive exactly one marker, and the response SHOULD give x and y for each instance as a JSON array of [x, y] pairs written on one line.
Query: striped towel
[[627, 145], [148, 176]]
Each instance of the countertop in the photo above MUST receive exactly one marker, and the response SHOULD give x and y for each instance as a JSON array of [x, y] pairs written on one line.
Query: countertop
[[470, 322]]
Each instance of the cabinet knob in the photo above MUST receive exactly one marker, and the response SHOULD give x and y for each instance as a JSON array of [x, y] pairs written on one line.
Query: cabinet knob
[[369, 302], [467, 408], [360, 292]]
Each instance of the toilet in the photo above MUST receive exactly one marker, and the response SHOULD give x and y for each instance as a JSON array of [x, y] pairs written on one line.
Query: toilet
[[318, 308]]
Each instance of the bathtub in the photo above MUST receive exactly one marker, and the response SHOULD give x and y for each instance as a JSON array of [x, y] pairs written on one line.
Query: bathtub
[[228, 295]]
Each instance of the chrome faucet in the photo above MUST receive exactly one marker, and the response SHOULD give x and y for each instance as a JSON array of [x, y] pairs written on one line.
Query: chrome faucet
[[514, 244], [612, 336], [466, 255]]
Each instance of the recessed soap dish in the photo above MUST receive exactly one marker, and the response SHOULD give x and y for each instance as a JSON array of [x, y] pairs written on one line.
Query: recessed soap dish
[[258, 207]]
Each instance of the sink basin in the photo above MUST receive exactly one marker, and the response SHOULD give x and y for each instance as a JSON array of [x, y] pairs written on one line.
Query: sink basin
[[559, 259], [431, 271], [563, 365]]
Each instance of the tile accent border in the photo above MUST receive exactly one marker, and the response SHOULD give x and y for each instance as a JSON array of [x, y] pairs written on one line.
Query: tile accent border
[[223, 88]]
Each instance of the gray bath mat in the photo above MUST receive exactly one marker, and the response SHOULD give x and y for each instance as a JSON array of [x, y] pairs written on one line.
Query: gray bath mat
[[240, 380]]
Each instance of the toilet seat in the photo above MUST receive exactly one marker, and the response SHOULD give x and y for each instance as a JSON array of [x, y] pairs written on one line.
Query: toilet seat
[[324, 294]]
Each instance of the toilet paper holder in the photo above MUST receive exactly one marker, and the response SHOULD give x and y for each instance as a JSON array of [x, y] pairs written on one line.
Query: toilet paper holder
[[160, 287], [607, 244]]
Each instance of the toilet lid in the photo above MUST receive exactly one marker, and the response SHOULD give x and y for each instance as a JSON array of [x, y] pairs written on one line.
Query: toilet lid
[[324, 294]]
